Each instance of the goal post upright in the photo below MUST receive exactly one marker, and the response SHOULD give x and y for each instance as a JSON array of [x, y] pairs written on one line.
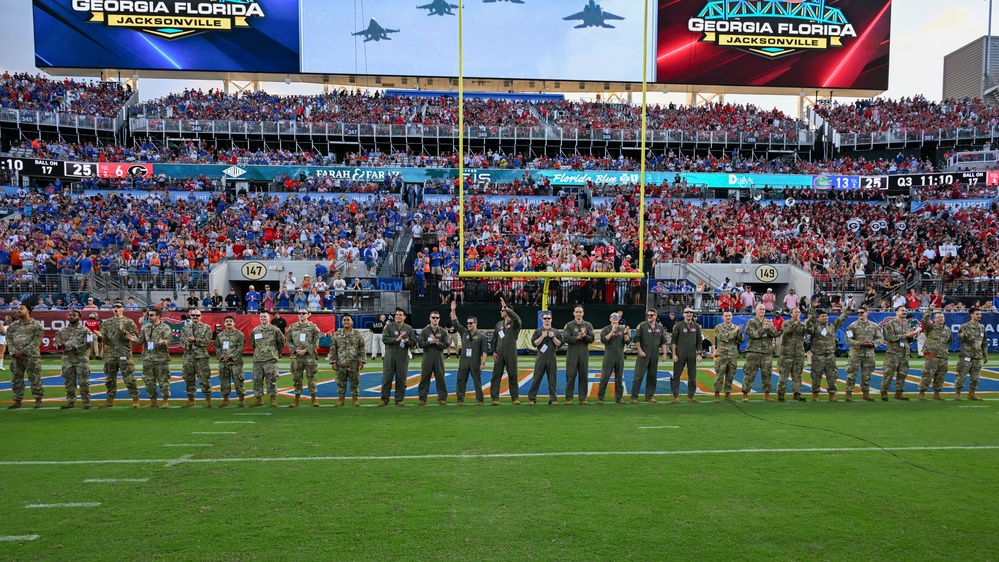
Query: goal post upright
[[461, 142]]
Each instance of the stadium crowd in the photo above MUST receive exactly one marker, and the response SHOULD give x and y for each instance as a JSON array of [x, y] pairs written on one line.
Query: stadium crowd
[[26, 92], [913, 114]]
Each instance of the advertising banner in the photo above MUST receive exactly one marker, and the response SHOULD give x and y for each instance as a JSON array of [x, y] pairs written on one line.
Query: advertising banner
[[774, 43], [189, 35]]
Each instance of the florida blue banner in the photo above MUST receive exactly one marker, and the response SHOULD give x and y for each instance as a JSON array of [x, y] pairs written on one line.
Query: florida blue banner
[[196, 35]]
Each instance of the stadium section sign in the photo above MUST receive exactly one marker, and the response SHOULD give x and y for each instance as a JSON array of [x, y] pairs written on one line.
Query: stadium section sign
[[790, 43], [191, 35]]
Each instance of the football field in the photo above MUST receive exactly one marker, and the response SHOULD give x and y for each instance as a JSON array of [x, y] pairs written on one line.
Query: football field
[[756, 481]]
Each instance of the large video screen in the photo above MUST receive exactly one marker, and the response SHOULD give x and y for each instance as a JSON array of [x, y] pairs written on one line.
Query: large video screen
[[836, 44], [525, 39], [193, 35]]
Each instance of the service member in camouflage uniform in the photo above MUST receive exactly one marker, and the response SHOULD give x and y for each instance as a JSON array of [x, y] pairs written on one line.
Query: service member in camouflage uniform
[[505, 354], [578, 335], [759, 353], [685, 343], [267, 342], [936, 352], [155, 338], [229, 346], [434, 340], [24, 343], [652, 342], [75, 341], [824, 350], [614, 337], [974, 353], [195, 338], [792, 356], [728, 336], [399, 337], [862, 336], [347, 359], [472, 356], [898, 339], [546, 340], [303, 339], [118, 334]]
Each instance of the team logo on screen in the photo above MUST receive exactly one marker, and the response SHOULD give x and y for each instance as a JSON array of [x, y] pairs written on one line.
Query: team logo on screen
[[172, 19], [772, 28]]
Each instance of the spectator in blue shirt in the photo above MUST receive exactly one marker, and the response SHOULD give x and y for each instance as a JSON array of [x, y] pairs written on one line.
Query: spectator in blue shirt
[[252, 300]]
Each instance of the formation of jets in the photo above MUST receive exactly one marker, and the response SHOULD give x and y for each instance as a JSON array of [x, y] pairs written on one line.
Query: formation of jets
[[591, 16]]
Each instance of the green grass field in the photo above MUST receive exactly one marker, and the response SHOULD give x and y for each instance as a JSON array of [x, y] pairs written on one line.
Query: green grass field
[[757, 481]]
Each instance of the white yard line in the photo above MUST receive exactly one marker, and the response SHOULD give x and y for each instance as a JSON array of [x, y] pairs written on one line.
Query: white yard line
[[113, 480], [53, 505], [19, 538]]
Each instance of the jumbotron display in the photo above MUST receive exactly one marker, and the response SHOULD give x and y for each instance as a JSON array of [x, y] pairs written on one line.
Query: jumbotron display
[[809, 44], [790, 43]]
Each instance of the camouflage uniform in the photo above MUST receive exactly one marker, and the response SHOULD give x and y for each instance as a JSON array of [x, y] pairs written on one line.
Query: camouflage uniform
[[303, 335], [728, 337], [196, 367], [974, 351], [652, 337], [505, 347], [545, 365], [824, 351], [936, 352], [26, 337], [76, 342], [267, 343], [473, 347], [759, 355], [896, 365], [347, 351], [432, 363], [118, 355], [156, 358], [395, 364], [229, 345], [792, 356], [861, 358], [577, 358]]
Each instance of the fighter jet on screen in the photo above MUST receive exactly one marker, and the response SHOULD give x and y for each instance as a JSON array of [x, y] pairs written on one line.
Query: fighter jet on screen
[[593, 16], [439, 8], [511, 1], [375, 32]]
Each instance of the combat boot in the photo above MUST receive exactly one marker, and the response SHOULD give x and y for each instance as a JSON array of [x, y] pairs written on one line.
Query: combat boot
[[972, 396], [717, 398], [165, 404], [152, 404], [900, 396], [745, 397], [86, 404], [728, 396], [108, 403], [341, 402], [798, 398], [315, 401], [355, 401], [884, 395], [15, 405], [225, 402], [815, 397], [135, 403], [922, 395], [273, 401], [849, 396], [242, 401], [66, 406], [189, 404], [38, 403], [208, 401], [936, 395], [296, 402], [832, 397], [442, 402], [957, 395], [766, 397], [257, 401], [867, 396], [780, 396]]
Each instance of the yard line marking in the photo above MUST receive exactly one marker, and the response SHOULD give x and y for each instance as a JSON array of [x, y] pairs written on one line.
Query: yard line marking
[[187, 445], [113, 480], [221, 422], [19, 538], [253, 414], [974, 406], [658, 427], [213, 433], [458, 456], [48, 505]]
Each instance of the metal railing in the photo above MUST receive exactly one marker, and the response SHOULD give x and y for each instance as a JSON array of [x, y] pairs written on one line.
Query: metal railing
[[147, 125], [528, 291], [903, 135], [55, 119]]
